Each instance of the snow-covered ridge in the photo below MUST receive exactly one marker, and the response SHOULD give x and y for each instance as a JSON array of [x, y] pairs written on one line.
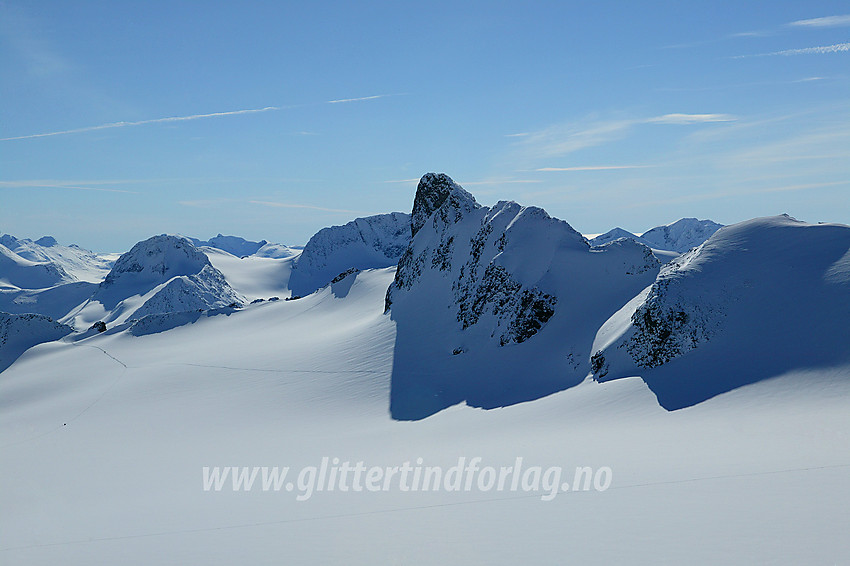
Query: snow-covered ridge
[[372, 242], [757, 298], [22, 273]]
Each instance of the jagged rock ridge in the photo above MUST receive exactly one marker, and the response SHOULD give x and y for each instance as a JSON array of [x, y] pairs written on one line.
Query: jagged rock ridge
[[477, 290]]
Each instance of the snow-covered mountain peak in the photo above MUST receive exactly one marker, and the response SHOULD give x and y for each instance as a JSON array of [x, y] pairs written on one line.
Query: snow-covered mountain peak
[[439, 191], [47, 241], [157, 260]]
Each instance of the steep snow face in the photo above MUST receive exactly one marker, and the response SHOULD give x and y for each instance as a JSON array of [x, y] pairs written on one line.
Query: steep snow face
[[161, 274], [680, 236], [22, 273], [79, 263], [372, 242], [19, 332], [498, 305], [240, 247], [757, 299]]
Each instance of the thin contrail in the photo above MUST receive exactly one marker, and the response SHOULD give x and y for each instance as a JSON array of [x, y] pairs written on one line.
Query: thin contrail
[[32, 185], [182, 118], [358, 99], [820, 50], [142, 122]]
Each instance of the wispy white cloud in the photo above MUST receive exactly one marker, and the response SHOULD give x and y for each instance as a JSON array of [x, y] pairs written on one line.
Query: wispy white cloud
[[293, 205], [753, 33], [825, 22], [402, 181], [736, 193], [592, 168], [502, 182], [562, 139], [518, 135], [29, 184], [820, 50], [204, 203]]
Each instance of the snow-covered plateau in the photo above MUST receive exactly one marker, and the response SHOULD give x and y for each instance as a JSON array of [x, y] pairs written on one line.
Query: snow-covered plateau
[[711, 382]]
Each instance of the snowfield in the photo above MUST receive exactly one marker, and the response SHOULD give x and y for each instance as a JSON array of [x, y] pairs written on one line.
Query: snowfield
[[726, 442]]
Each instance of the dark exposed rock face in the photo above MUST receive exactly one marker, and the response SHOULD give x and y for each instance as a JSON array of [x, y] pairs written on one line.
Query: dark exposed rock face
[[434, 190]]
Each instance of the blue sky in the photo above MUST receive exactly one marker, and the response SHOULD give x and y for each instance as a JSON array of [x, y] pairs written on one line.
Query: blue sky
[[121, 120]]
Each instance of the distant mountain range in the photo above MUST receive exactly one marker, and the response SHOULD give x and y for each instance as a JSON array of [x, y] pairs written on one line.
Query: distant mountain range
[[679, 236]]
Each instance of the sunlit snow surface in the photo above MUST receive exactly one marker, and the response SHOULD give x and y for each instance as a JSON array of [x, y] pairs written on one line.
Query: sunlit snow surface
[[102, 442]]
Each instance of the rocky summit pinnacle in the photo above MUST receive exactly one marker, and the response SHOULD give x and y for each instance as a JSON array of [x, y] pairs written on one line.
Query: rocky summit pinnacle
[[433, 191]]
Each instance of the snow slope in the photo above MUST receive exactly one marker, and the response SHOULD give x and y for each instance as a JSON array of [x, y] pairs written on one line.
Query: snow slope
[[364, 243], [499, 305], [104, 436], [758, 299], [103, 440], [81, 264], [255, 277]]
